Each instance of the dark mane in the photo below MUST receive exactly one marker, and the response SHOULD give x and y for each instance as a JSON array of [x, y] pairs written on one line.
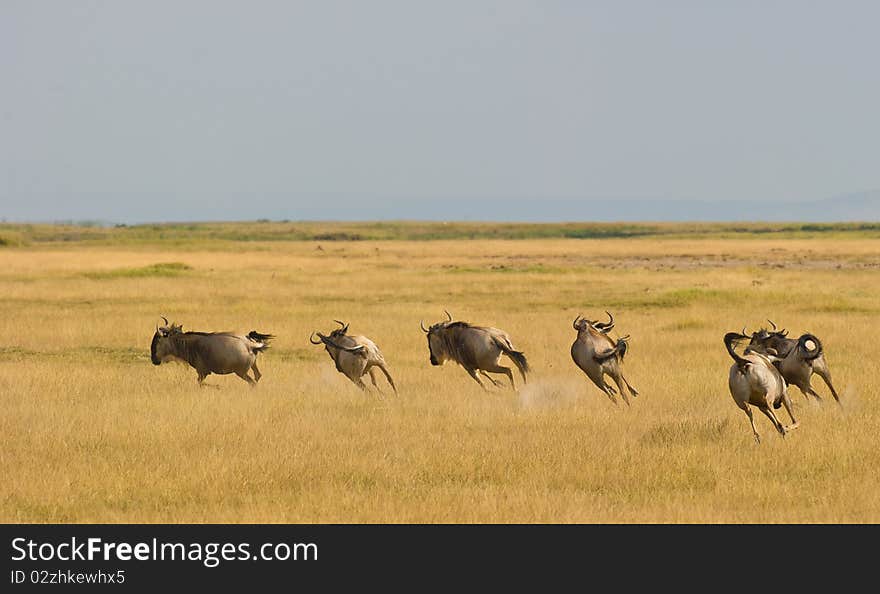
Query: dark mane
[[450, 335], [458, 325], [193, 333]]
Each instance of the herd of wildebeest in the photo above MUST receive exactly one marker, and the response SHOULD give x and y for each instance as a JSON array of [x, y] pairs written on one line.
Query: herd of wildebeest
[[759, 377]]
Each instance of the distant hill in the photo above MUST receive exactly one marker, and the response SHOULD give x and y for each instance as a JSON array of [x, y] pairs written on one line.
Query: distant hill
[[862, 206]]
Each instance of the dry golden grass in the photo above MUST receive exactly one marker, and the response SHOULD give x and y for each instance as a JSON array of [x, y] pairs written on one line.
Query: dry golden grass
[[90, 431]]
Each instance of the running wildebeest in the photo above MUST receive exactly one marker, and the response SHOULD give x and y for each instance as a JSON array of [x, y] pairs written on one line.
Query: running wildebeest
[[755, 381], [354, 356], [476, 348], [597, 355], [797, 359], [210, 352]]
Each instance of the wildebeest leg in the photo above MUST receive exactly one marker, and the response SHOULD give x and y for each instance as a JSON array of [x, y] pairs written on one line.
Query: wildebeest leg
[[749, 414], [388, 376], [609, 391], [786, 401], [357, 380], [202, 383], [620, 388], [489, 377], [772, 416], [502, 369], [257, 374], [632, 390], [372, 373], [820, 369], [243, 375], [473, 374], [809, 390]]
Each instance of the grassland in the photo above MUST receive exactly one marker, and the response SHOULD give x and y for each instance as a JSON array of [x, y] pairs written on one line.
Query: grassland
[[91, 431]]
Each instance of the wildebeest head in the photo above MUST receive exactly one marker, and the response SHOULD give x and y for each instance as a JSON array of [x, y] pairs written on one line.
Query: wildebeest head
[[774, 339], [331, 342], [339, 332], [162, 347], [581, 323], [437, 345]]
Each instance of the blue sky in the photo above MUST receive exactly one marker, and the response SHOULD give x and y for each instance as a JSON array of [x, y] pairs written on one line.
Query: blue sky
[[150, 111]]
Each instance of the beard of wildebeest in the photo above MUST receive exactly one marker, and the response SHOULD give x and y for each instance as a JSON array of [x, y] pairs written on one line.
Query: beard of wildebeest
[[153, 344], [444, 343], [433, 338]]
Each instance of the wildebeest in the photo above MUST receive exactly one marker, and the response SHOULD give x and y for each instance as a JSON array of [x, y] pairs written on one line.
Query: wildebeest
[[476, 348], [597, 355], [797, 359], [354, 356], [210, 352], [755, 381]]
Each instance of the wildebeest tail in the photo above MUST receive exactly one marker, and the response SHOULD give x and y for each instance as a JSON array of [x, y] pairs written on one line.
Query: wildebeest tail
[[729, 340], [261, 338], [620, 348], [809, 354], [518, 357], [623, 345]]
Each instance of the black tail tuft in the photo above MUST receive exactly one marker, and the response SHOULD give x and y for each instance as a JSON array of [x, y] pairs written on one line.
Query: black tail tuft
[[519, 359], [622, 346], [258, 337], [802, 345]]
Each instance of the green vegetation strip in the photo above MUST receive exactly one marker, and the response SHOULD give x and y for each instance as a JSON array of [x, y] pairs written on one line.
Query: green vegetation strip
[[12, 235], [161, 269]]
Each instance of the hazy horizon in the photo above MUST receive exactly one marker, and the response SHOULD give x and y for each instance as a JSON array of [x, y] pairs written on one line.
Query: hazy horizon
[[510, 111]]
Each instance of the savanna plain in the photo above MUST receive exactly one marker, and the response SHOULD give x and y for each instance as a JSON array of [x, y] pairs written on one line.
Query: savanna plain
[[91, 431]]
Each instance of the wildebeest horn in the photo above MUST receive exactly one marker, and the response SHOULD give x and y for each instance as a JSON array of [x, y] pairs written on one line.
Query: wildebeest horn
[[164, 318], [605, 328], [344, 326], [422, 324], [449, 315], [744, 332], [312, 335], [328, 340], [575, 323], [772, 324]]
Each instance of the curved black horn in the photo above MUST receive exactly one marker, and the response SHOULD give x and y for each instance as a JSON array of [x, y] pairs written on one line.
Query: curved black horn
[[164, 318], [312, 336], [744, 332], [449, 315], [772, 324], [605, 328], [575, 323], [422, 324], [331, 342], [344, 326]]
